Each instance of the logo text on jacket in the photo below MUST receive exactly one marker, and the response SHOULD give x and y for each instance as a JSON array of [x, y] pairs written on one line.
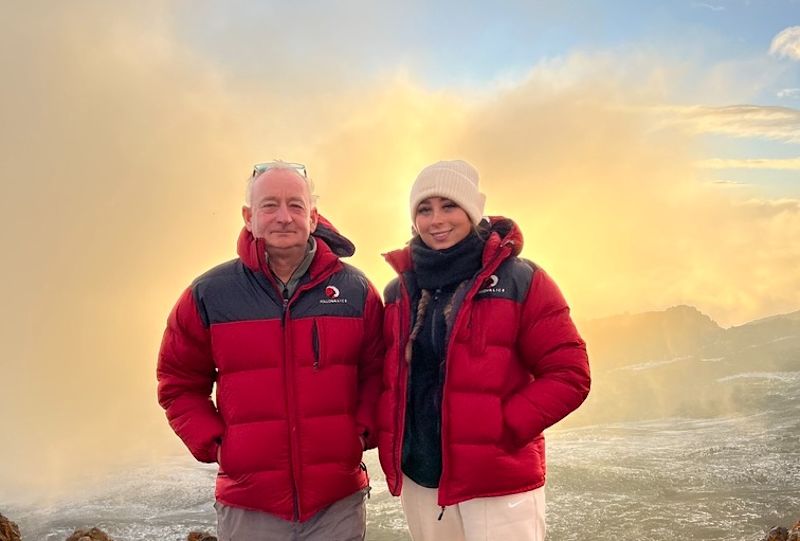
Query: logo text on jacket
[[489, 284]]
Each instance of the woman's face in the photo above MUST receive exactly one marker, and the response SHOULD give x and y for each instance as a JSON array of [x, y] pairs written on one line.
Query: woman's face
[[441, 223]]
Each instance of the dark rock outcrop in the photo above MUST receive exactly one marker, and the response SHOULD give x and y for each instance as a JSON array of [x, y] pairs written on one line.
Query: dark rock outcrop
[[651, 336], [794, 533], [95, 534], [200, 536], [779, 533], [9, 531]]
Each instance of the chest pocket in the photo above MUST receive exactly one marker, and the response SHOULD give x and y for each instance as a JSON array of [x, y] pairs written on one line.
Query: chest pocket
[[335, 341], [315, 344], [479, 329], [474, 331]]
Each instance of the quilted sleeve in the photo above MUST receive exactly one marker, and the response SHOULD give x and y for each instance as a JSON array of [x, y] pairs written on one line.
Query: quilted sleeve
[[186, 375], [550, 346], [370, 369]]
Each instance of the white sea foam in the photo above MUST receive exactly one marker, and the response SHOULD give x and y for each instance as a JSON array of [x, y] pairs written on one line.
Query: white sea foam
[[784, 377], [652, 364]]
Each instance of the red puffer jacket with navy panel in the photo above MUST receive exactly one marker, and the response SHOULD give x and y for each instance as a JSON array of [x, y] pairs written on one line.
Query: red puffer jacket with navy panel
[[296, 384], [515, 365]]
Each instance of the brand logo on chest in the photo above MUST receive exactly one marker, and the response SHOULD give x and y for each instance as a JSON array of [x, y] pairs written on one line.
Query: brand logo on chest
[[333, 296], [490, 285]]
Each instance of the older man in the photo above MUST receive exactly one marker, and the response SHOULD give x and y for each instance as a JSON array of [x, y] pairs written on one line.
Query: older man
[[292, 338]]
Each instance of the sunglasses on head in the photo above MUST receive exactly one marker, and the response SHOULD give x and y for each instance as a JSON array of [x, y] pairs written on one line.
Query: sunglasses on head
[[266, 166]]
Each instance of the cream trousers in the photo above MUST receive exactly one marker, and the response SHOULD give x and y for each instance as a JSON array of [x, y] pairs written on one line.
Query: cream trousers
[[516, 517]]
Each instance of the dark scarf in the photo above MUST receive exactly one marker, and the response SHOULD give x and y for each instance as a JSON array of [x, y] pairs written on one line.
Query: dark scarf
[[440, 268]]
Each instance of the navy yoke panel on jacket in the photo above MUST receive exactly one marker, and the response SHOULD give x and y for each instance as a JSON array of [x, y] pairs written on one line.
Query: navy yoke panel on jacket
[[391, 293], [344, 294], [232, 292], [511, 281]]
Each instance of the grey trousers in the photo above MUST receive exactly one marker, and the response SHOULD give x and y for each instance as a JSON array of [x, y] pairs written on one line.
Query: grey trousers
[[345, 520]]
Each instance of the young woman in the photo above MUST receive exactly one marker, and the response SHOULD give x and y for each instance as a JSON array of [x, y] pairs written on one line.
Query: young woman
[[482, 356]]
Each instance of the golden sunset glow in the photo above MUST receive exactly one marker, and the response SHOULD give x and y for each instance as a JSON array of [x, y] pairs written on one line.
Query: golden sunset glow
[[125, 155]]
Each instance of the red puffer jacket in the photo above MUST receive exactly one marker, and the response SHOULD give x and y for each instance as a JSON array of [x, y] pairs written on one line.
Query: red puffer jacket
[[515, 365], [296, 382]]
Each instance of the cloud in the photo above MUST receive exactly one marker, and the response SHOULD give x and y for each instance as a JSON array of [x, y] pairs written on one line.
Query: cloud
[[704, 5], [730, 183], [789, 93], [786, 43], [769, 122], [772, 207], [752, 163]]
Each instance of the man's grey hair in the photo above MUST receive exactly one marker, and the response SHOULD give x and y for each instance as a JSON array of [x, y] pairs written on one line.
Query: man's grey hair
[[279, 165]]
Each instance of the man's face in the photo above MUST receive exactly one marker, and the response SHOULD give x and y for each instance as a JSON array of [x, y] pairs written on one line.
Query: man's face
[[281, 212]]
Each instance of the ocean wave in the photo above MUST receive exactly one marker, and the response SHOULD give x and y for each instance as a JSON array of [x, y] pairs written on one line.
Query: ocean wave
[[783, 377]]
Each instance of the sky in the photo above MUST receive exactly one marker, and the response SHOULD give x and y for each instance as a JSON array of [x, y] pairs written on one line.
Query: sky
[[649, 151]]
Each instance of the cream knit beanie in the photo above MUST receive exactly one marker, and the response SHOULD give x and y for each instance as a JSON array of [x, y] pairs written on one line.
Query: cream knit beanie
[[455, 180]]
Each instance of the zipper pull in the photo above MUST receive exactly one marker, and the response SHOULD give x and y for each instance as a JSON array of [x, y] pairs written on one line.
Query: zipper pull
[[363, 467], [441, 514]]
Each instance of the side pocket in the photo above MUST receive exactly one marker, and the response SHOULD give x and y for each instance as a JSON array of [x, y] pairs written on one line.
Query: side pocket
[[220, 452], [230, 456], [358, 448], [508, 440]]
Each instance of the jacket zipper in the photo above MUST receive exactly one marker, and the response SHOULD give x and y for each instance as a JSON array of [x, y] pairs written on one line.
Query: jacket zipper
[[289, 385], [488, 269], [435, 299], [400, 419], [290, 406]]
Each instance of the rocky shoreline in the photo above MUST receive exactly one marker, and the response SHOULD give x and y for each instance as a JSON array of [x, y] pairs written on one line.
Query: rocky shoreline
[[9, 531], [779, 533]]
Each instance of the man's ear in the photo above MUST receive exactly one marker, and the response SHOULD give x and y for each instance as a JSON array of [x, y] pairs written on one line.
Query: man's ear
[[247, 215], [314, 219]]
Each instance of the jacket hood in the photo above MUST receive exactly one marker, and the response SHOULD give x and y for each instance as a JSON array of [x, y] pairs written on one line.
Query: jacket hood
[[501, 234], [251, 250]]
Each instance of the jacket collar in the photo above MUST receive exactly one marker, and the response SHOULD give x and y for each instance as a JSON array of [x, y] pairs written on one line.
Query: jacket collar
[[331, 245], [503, 234]]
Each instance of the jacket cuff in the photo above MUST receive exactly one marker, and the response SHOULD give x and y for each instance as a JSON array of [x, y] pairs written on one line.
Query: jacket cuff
[[368, 439], [209, 454], [215, 449]]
